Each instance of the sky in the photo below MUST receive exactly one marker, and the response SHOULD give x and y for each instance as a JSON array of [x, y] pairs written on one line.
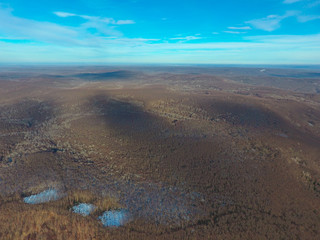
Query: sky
[[166, 31]]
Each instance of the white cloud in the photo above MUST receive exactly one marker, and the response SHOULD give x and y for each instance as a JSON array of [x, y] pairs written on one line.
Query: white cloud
[[15, 27], [309, 3], [271, 22], [240, 28], [122, 22], [64, 14], [234, 32], [307, 18], [58, 43], [291, 1], [314, 4], [95, 18], [276, 49], [187, 38]]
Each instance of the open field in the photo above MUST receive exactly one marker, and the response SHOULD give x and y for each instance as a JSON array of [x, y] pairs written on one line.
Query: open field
[[189, 152]]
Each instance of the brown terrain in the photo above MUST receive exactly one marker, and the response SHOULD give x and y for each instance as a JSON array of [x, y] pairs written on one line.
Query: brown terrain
[[195, 152]]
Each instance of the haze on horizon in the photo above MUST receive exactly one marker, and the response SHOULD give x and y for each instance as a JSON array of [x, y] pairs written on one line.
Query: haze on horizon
[[141, 31]]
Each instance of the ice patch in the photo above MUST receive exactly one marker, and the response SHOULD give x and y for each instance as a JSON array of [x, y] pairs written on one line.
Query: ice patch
[[283, 135], [115, 218], [83, 209], [45, 196]]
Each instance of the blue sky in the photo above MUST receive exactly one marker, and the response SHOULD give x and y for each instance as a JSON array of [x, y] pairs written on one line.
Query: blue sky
[[166, 31]]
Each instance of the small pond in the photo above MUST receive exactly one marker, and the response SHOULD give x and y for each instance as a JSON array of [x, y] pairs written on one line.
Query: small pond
[[45, 196], [115, 218], [84, 209]]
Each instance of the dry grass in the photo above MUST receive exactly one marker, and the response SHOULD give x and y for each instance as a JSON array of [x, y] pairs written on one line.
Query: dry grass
[[79, 196], [216, 138], [53, 220], [84, 196], [106, 204], [21, 221], [41, 187]]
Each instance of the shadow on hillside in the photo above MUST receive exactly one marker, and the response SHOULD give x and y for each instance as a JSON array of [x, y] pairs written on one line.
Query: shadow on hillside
[[125, 117], [106, 76], [245, 115]]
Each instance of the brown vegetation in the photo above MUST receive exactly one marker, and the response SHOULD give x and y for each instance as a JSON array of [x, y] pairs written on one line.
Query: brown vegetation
[[192, 156], [53, 220]]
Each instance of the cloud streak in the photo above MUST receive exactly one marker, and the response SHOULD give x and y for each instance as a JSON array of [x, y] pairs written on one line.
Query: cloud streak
[[53, 42], [271, 22], [308, 3], [256, 49], [64, 14], [291, 1], [187, 38], [94, 18], [307, 18], [234, 32], [13, 27], [16, 27], [240, 28], [314, 4]]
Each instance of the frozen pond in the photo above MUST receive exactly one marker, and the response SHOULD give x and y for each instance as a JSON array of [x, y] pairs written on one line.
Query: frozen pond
[[282, 135], [84, 209], [45, 196], [114, 218]]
